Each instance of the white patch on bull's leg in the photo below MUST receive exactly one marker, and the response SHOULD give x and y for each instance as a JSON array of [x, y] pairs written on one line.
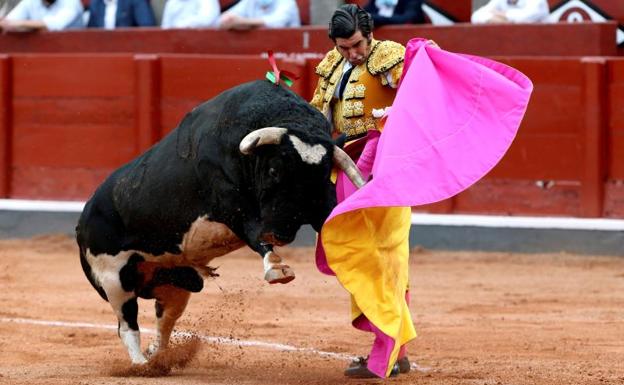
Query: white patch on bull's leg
[[309, 154], [132, 340], [275, 271], [105, 270]]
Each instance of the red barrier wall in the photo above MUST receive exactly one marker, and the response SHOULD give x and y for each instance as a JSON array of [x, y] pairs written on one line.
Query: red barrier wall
[[564, 39], [66, 121], [72, 119]]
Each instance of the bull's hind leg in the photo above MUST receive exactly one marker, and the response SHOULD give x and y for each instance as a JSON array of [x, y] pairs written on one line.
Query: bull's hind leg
[[126, 308], [116, 275], [170, 304]]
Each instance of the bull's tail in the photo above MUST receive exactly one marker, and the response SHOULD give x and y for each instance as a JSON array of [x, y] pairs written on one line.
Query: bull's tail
[[87, 270], [153, 274]]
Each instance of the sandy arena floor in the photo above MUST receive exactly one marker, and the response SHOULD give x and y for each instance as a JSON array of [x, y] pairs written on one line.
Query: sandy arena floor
[[482, 318]]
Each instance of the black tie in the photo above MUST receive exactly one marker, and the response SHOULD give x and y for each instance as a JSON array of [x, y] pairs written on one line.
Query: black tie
[[343, 82]]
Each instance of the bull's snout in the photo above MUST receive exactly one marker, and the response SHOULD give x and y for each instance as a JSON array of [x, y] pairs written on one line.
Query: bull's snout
[[277, 239]]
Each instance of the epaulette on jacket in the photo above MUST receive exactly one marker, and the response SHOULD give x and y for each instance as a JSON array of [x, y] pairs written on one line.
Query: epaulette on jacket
[[385, 55], [327, 66]]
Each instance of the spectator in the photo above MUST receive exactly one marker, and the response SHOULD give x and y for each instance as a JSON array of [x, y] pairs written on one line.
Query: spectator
[[321, 11], [191, 13], [52, 15], [511, 11], [111, 14], [386, 12], [248, 14]]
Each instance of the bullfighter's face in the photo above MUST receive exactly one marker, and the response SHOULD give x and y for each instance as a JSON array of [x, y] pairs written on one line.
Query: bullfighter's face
[[356, 48]]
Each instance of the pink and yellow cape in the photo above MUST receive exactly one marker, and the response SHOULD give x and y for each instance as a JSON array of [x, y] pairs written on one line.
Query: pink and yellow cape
[[453, 119]]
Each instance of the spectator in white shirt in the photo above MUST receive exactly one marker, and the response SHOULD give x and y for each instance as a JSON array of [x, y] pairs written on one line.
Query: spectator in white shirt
[[51, 15], [191, 13], [248, 14], [511, 11]]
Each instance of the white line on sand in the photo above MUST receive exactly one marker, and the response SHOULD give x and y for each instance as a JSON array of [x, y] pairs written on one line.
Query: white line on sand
[[209, 339]]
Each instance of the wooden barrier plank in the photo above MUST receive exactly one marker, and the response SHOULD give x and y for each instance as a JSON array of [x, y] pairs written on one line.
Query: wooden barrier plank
[[62, 183], [615, 113], [60, 145], [554, 109], [546, 70], [147, 102], [556, 103], [190, 80], [616, 155], [6, 125], [614, 199], [594, 138], [549, 157], [73, 75], [203, 77], [87, 132], [75, 112], [503, 196]]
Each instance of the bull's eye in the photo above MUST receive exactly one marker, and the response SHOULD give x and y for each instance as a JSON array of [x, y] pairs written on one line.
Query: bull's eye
[[272, 172]]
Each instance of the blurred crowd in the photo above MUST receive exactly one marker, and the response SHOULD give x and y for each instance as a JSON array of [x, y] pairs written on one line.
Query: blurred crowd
[[55, 15]]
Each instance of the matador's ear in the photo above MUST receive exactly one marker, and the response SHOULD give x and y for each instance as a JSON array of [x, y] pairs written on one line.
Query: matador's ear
[[340, 140]]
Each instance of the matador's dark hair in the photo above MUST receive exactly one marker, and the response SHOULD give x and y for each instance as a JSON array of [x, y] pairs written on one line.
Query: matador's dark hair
[[347, 20]]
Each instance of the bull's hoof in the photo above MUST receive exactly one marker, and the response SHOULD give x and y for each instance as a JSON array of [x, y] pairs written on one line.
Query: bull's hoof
[[152, 349], [282, 274], [139, 360]]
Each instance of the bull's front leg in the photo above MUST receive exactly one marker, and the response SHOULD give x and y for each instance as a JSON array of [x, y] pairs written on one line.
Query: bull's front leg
[[275, 271]]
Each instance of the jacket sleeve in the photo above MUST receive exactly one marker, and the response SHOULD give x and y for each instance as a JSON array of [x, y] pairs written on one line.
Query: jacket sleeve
[[143, 14], [411, 13], [96, 18]]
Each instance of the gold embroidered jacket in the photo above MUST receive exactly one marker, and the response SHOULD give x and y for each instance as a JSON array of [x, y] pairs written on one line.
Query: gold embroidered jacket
[[372, 85]]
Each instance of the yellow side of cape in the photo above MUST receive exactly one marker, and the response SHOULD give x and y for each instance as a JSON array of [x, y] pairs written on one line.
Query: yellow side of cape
[[368, 250]]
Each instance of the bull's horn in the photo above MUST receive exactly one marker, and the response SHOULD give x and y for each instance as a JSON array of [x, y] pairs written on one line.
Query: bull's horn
[[346, 164], [266, 135]]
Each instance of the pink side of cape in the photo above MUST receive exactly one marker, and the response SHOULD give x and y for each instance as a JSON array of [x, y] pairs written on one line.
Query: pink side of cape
[[453, 119]]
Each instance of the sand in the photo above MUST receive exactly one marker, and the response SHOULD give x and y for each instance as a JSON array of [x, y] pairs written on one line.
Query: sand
[[482, 318]]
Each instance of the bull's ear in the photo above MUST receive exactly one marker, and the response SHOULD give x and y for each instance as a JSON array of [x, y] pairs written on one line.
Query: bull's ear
[[266, 135], [340, 140]]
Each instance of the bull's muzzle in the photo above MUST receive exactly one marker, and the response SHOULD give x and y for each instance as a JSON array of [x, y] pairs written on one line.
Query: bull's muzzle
[[276, 239]]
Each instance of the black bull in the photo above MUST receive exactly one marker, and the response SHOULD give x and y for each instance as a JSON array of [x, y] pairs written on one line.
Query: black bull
[[249, 166]]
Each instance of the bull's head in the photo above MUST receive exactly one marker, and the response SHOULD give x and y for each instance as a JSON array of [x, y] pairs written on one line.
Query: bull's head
[[293, 180]]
